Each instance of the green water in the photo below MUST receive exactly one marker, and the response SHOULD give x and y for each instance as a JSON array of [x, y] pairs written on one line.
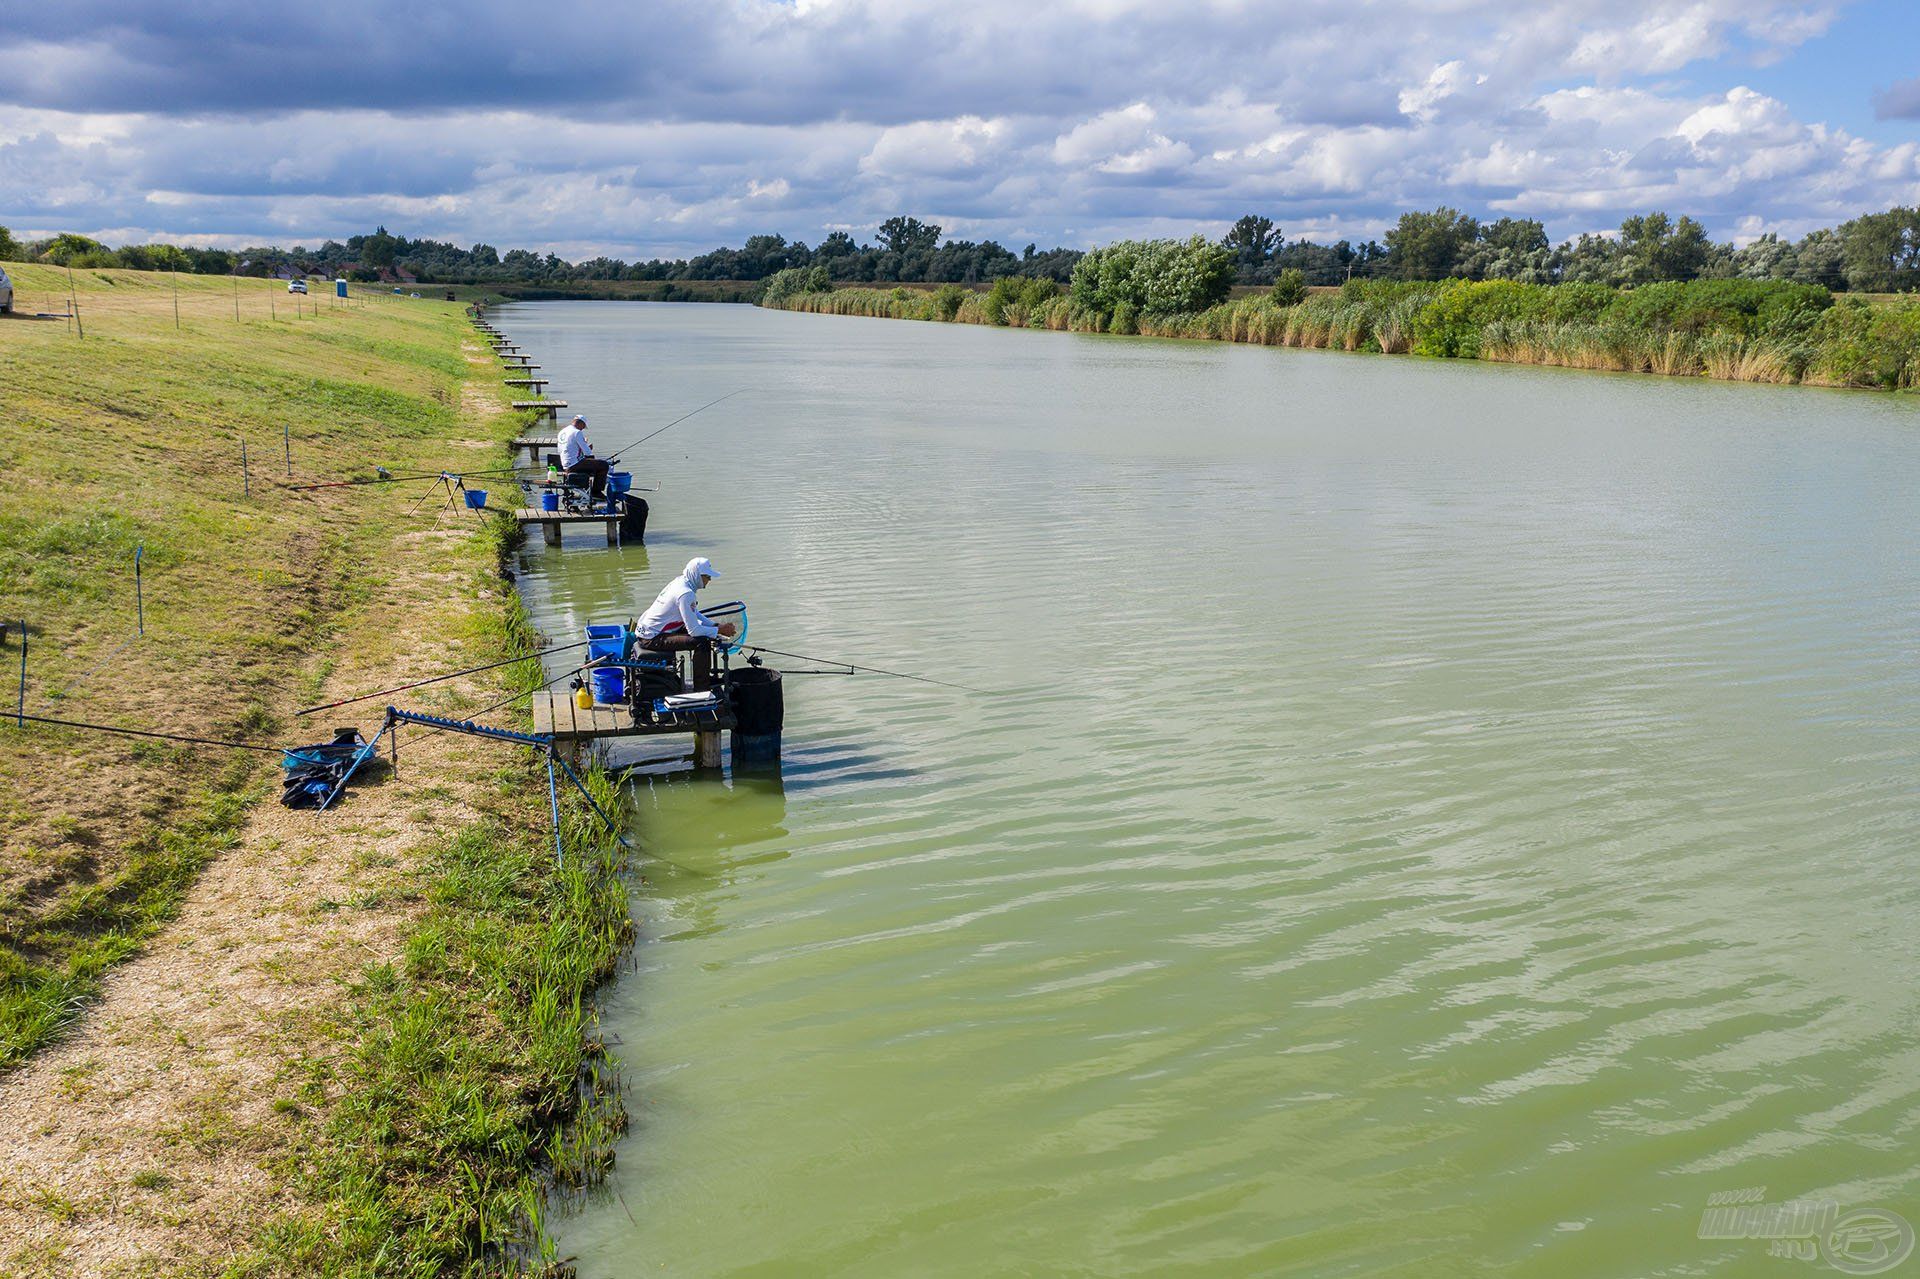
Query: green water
[[1426, 819]]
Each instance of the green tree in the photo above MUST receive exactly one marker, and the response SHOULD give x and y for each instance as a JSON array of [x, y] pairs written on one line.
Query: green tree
[[905, 235], [1431, 246], [1882, 251], [379, 250], [1253, 241], [9, 247], [1655, 247], [1820, 259]]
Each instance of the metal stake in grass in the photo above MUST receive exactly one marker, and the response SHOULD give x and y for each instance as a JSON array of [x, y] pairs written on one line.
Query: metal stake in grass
[[22, 721], [139, 596], [286, 431], [246, 479], [176, 297]]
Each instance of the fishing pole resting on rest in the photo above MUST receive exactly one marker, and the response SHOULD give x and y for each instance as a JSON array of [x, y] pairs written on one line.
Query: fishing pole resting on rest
[[422, 683], [853, 669], [387, 477]]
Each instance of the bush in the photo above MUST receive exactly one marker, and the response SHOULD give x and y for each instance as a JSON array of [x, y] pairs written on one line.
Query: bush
[[77, 251], [1290, 288], [794, 281], [1014, 299], [1858, 345], [946, 301], [1154, 277]]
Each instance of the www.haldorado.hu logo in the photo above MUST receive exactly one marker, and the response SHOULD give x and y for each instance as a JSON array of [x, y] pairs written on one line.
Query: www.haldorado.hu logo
[[1866, 1241]]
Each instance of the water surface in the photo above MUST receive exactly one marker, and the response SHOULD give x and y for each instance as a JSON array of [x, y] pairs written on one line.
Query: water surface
[[1427, 819]]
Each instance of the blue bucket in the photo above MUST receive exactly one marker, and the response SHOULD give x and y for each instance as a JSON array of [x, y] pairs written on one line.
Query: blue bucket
[[476, 498], [607, 641], [619, 482], [609, 684], [549, 501]]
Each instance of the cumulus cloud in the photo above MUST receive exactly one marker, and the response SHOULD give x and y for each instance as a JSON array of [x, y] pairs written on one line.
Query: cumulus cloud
[[684, 124]]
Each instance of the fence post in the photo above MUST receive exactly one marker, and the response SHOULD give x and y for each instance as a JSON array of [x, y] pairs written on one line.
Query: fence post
[[139, 595]]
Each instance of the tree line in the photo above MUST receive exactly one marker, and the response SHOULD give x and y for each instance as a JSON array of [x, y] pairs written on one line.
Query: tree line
[[1874, 253]]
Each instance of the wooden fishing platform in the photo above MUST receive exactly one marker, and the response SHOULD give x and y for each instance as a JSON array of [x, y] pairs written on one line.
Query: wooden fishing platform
[[555, 713], [550, 523], [574, 731], [526, 381], [535, 445], [549, 409]]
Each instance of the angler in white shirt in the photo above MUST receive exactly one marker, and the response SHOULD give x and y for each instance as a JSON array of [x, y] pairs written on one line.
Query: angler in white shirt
[[576, 458], [675, 623]]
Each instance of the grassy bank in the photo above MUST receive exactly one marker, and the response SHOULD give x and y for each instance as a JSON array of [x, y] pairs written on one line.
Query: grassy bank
[[1733, 329], [126, 434], [415, 1066], [453, 1086]]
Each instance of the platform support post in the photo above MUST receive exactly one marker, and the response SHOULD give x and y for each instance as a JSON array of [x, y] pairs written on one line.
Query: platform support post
[[550, 531], [706, 751]]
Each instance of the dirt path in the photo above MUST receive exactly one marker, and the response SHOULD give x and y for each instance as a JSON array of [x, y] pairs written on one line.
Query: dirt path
[[146, 1142]]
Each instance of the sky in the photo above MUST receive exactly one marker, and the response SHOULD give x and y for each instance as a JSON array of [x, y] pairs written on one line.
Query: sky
[[585, 127]]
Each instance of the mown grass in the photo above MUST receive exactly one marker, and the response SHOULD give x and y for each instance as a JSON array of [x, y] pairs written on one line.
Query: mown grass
[[466, 1075], [442, 1093], [1844, 342], [450, 1090], [124, 432]]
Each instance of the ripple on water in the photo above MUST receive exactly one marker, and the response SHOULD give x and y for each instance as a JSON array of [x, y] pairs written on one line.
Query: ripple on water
[[1423, 820]]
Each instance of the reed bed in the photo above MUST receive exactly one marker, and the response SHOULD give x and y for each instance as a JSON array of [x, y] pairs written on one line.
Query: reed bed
[[1734, 330]]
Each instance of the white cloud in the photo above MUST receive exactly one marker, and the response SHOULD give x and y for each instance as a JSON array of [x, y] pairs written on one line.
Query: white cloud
[[1072, 122]]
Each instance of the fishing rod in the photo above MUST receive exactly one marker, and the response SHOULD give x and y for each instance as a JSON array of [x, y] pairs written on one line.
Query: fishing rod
[[387, 477], [868, 670], [669, 426], [437, 679]]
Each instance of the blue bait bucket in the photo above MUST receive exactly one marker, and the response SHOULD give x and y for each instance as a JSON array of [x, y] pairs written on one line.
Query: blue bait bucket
[[607, 641], [619, 482], [476, 499], [609, 684], [549, 501]]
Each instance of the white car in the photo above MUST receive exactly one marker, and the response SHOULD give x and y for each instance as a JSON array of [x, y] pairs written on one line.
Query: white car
[[296, 286], [6, 293]]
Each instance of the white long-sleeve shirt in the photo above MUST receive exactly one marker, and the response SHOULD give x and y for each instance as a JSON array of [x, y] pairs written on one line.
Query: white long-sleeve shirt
[[677, 603], [573, 445]]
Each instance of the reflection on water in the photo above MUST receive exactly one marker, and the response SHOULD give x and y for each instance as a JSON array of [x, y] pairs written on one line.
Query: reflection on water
[[1424, 819]]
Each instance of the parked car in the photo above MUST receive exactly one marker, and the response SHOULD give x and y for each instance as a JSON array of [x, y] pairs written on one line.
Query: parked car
[[296, 286], [6, 293]]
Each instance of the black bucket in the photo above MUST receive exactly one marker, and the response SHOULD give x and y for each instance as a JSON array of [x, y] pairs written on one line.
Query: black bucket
[[759, 711], [633, 519]]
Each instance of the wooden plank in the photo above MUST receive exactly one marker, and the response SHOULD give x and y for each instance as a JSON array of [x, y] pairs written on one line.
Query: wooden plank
[[525, 381], [534, 442], [539, 404], [554, 713], [534, 515]]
